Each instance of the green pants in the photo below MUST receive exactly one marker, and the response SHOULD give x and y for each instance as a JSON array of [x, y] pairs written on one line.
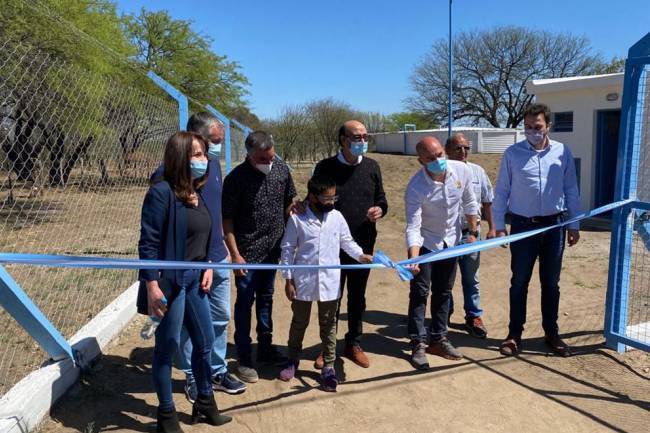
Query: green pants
[[326, 321]]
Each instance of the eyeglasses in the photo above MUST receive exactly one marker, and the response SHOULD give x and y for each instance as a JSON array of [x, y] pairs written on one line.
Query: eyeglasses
[[358, 137], [461, 148], [328, 198]]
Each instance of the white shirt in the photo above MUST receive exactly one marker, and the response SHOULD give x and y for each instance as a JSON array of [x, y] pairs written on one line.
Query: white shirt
[[308, 241], [342, 159], [433, 208], [482, 190]]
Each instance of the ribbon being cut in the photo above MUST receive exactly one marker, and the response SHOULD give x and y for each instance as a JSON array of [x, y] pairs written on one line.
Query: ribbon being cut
[[381, 260]]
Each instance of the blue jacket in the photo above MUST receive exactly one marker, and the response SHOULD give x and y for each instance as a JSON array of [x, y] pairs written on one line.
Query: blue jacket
[[211, 194], [163, 235]]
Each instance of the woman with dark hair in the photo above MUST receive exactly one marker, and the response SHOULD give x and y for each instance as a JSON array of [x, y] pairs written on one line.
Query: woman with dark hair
[[176, 225]]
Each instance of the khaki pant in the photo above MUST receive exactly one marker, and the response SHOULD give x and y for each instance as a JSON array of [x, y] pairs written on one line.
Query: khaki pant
[[327, 322]]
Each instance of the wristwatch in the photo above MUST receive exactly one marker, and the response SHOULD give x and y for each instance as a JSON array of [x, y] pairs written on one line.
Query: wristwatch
[[474, 233]]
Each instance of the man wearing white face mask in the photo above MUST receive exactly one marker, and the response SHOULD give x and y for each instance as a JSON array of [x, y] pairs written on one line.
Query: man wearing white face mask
[[434, 199], [537, 187], [257, 195], [362, 202]]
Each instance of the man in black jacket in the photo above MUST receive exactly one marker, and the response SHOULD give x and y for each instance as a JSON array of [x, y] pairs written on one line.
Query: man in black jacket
[[362, 201]]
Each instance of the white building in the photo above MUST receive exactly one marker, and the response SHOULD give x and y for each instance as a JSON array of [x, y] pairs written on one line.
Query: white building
[[483, 140], [586, 115]]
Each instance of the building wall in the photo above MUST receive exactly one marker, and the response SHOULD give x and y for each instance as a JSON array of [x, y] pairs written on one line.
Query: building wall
[[486, 140], [582, 140]]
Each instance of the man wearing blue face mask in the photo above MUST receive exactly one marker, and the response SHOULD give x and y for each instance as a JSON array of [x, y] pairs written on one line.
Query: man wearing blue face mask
[[209, 127], [537, 186], [434, 199], [362, 202]]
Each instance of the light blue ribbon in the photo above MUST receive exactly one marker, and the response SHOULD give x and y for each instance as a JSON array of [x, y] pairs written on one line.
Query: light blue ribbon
[[380, 259]]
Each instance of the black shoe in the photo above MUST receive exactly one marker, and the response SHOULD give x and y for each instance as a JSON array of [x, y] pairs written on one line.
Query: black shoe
[[271, 355], [207, 406], [167, 422]]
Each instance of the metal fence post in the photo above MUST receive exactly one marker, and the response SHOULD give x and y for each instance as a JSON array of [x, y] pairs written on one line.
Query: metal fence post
[[226, 137], [183, 110], [627, 167], [16, 302]]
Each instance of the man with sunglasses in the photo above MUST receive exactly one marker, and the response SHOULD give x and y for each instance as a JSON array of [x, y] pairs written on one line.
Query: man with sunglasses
[[362, 202], [457, 148]]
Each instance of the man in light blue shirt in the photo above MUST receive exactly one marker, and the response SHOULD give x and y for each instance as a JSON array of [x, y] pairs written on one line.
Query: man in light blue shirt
[[537, 187]]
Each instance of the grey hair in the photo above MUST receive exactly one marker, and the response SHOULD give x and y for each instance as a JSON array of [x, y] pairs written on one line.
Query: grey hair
[[200, 123], [259, 140], [453, 139]]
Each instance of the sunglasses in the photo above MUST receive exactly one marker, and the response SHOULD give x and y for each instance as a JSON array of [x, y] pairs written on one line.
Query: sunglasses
[[359, 137]]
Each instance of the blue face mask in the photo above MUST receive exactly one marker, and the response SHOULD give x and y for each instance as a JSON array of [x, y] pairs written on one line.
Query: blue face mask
[[214, 150], [438, 166], [198, 168], [359, 148]]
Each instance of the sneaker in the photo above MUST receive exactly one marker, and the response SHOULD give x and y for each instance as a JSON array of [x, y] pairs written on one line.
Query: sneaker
[[445, 349], [289, 370], [228, 383], [355, 353], [319, 363], [271, 355], [246, 372], [191, 392], [328, 379], [419, 356], [475, 327]]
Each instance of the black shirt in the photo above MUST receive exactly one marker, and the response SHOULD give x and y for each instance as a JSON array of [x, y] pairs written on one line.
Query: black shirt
[[359, 188], [256, 204], [199, 225]]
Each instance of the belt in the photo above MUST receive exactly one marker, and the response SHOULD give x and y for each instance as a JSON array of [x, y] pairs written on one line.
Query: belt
[[541, 219]]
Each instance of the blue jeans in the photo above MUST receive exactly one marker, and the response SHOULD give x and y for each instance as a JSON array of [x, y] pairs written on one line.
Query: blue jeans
[[468, 265], [219, 299], [257, 287], [188, 306], [549, 247]]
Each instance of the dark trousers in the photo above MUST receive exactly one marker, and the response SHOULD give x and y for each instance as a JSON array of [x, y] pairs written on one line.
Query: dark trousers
[[438, 277], [357, 279], [257, 287], [549, 247]]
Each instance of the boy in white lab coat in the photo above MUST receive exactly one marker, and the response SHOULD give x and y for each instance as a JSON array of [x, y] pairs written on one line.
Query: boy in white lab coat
[[315, 238]]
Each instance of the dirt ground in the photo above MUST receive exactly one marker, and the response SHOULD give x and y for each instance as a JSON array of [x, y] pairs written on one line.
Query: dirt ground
[[595, 390]]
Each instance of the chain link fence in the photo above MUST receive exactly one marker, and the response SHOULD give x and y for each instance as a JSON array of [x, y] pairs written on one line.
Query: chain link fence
[[76, 151]]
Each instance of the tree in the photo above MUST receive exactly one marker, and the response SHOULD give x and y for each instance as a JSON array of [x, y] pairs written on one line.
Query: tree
[[327, 116], [183, 57], [617, 64], [396, 121], [491, 69], [291, 132]]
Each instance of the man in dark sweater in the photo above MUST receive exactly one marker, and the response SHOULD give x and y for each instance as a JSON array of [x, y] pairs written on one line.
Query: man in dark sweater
[[362, 201]]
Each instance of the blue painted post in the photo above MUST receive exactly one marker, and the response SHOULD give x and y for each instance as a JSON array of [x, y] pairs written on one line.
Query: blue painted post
[[226, 136], [183, 110], [451, 79], [627, 168], [16, 302]]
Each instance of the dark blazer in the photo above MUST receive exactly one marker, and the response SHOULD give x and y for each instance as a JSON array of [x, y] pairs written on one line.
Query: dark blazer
[[163, 234], [212, 190]]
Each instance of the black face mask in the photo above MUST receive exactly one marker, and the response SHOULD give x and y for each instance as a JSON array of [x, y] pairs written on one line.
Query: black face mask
[[324, 207]]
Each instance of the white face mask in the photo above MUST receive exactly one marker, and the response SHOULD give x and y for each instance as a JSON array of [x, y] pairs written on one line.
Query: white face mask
[[534, 136], [264, 168]]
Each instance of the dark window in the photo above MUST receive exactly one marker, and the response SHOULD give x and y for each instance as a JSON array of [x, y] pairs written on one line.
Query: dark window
[[563, 122]]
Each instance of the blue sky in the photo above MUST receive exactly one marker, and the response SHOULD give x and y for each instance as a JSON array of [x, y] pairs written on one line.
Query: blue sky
[[362, 52]]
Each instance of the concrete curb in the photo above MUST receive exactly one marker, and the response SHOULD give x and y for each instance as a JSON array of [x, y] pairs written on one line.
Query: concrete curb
[[23, 407]]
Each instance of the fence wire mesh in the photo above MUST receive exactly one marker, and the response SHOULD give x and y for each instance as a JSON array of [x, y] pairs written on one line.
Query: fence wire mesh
[[76, 151], [638, 301], [237, 146]]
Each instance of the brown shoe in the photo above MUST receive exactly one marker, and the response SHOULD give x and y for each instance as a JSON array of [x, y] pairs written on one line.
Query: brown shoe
[[558, 346], [445, 349], [356, 355], [510, 346], [319, 363]]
